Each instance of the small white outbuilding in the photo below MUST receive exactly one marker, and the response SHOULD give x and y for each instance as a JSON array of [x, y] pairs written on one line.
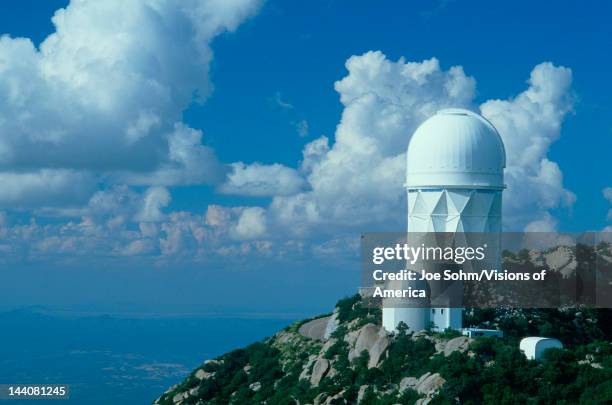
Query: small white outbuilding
[[534, 346]]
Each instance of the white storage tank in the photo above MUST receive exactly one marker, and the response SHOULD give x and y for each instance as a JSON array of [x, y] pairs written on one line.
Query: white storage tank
[[534, 346]]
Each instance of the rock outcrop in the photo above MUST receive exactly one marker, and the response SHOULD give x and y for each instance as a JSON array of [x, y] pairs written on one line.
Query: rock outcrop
[[460, 343], [378, 349], [202, 375], [408, 383], [429, 384], [305, 375], [320, 368], [370, 338], [361, 393]]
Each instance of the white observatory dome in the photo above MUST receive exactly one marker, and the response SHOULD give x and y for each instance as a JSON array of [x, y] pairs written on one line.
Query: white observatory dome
[[456, 148]]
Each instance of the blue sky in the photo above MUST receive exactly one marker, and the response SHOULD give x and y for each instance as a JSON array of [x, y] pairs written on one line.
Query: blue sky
[[307, 44], [271, 77]]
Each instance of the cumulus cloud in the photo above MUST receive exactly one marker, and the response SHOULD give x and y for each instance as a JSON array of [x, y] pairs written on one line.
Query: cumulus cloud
[[351, 181], [529, 124], [188, 162], [155, 199], [97, 109], [262, 180], [251, 224], [313, 153], [106, 91], [546, 224], [357, 181], [44, 188]]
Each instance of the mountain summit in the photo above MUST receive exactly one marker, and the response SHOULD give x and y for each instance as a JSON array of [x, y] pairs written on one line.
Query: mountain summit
[[347, 358]]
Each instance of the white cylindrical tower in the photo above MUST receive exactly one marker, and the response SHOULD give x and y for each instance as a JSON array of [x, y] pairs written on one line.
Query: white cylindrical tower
[[454, 183]]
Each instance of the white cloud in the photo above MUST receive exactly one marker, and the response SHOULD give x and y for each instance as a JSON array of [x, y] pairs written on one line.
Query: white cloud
[[546, 224], [607, 193], [302, 128], [188, 162], [105, 92], [529, 124], [217, 216], [251, 224], [278, 100], [350, 182], [138, 247], [119, 205], [44, 188], [142, 126], [262, 180], [358, 180], [313, 153], [155, 199]]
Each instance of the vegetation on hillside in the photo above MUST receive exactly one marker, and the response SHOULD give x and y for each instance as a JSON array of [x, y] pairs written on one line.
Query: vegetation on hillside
[[489, 371]]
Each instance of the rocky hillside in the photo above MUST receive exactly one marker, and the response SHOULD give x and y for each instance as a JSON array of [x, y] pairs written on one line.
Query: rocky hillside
[[354, 361]]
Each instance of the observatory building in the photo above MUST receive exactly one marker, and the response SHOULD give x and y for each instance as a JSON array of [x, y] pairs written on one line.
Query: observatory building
[[454, 183]]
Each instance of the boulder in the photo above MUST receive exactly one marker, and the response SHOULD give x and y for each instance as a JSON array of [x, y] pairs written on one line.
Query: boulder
[[178, 398], [429, 383], [408, 383], [319, 398], [351, 337], [422, 401], [327, 345], [378, 349], [283, 337], [423, 378], [419, 334], [361, 393], [366, 337], [319, 370], [203, 375], [336, 399], [256, 386], [305, 374], [562, 259], [460, 343]]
